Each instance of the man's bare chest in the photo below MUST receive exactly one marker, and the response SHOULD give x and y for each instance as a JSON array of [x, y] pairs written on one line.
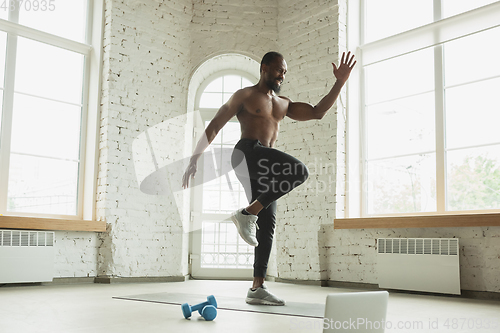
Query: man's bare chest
[[271, 108]]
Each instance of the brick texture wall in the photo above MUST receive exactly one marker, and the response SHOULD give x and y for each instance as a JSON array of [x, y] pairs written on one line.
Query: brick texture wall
[[351, 256], [223, 26], [309, 39], [145, 79], [75, 254]]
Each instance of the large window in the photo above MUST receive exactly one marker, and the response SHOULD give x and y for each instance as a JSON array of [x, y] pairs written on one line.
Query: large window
[[44, 71], [429, 80], [221, 245], [220, 193]]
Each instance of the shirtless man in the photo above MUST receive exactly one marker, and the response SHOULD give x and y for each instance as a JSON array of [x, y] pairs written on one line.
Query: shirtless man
[[267, 173]]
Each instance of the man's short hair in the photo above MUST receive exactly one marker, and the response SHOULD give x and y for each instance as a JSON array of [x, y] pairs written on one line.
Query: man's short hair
[[269, 58]]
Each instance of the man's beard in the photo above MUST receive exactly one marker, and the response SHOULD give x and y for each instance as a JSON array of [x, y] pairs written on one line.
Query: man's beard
[[274, 86]]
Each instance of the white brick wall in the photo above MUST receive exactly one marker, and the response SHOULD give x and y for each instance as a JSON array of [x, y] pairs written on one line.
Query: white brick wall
[[146, 72], [221, 26], [308, 37], [75, 254], [350, 255], [247, 27]]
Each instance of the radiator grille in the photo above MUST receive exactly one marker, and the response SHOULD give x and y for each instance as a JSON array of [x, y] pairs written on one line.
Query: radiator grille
[[17, 238], [430, 246], [419, 264]]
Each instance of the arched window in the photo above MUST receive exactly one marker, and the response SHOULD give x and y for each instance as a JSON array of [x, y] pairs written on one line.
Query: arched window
[[221, 251], [218, 91]]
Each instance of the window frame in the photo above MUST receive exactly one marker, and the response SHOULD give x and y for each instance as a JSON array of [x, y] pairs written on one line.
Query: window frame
[[209, 113], [356, 193], [197, 214], [89, 136]]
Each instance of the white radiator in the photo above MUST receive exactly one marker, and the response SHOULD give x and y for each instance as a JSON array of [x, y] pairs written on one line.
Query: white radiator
[[419, 264], [26, 256]]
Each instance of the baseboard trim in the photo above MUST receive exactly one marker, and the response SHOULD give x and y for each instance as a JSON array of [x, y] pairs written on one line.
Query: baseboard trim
[[489, 295], [349, 285], [71, 280], [141, 279], [211, 278], [302, 282], [472, 294]]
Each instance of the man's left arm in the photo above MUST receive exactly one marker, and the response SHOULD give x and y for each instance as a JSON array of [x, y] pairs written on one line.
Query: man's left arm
[[305, 111]]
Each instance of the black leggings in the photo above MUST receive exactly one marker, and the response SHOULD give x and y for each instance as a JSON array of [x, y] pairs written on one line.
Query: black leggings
[[266, 175]]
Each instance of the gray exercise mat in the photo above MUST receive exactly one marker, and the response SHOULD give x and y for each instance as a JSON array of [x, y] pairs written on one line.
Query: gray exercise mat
[[312, 310]]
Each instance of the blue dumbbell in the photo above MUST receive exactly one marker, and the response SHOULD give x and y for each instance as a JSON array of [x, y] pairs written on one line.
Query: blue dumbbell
[[207, 310]]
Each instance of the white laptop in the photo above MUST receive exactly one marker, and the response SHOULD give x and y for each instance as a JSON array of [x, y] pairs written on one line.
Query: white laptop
[[360, 312]]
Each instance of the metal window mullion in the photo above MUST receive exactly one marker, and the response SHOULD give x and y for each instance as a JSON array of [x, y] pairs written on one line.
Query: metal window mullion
[[363, 146], [217, 236], [44, 156], [439, 118], [7, 110], [363, 190], [473, 146], [488, 14], [400, 98], [492, 77], [81, 181], [362, 21], [7, 117], [83, 138], [400, 156], [48, 99], [26, 32]]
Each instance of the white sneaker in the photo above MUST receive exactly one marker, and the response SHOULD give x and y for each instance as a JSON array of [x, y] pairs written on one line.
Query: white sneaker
[[247, 226], [262, 296]]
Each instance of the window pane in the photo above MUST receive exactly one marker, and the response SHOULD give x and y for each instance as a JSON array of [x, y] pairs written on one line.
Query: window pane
[[401, 127], [211, 100], [454, 7], [4, 12], [474, 178], [213, 185], [232, 133], [401, 76], [62, 18], [47, 71], [218, 138], [222, 248], [1, 109], [402, 185], [473, 114], [389, 17], [245, 83], [3, 46], [232, 83], [222, 191], [214, 86], [226, 97], [230, 199], [472, 58], [211, 181], [211, 201], [44, 127], [42, 185]]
